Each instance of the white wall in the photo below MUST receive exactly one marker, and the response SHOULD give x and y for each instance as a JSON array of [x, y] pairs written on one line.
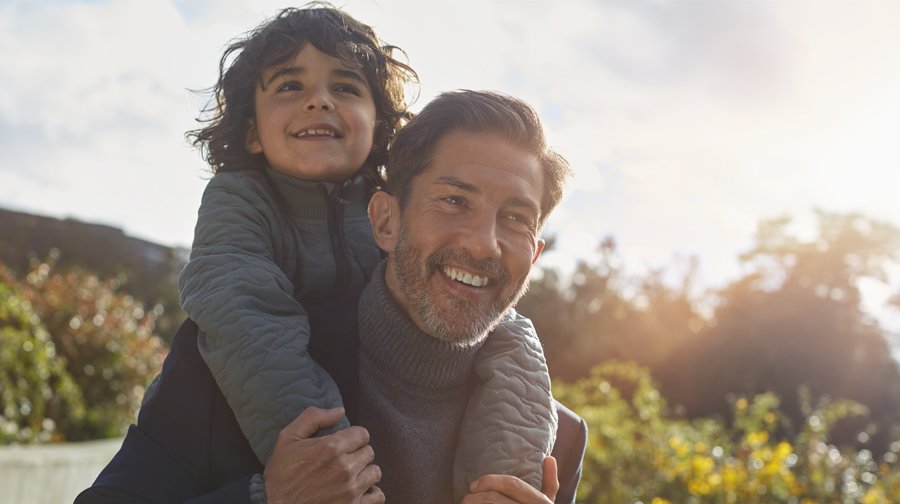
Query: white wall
[[51, 474]]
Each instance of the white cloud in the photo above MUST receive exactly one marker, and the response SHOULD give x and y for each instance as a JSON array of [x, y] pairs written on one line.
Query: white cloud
[[686, 122]]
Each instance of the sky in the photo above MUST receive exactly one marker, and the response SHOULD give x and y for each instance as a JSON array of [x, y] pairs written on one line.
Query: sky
[[686, 121]]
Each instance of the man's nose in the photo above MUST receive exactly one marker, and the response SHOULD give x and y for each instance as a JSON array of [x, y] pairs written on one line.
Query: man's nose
[[480, 238]]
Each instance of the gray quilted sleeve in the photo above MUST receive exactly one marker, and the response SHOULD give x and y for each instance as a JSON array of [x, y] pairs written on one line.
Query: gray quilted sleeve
[[510, 421], [254, 334]]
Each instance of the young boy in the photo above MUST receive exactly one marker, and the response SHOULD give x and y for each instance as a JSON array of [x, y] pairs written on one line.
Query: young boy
[[305, 108]]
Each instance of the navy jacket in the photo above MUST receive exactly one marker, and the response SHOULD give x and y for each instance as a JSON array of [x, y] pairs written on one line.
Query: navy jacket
[[187, 446]]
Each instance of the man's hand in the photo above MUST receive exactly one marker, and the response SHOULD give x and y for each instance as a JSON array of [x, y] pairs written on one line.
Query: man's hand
[[504, 489], [333, 468]]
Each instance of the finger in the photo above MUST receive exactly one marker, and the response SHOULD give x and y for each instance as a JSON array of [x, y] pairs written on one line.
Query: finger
[[311, 420], [510, 487], [550, 482], [373, 495], [489, 497], [368, 477], [348, 440], [360, 459]]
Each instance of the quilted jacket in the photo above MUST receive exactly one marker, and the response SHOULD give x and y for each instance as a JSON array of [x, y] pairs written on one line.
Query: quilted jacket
[[263, 241]]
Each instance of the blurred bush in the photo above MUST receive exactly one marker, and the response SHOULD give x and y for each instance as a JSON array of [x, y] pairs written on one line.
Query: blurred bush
[[639, 452], [794, 319], [103, 337], [36, 391]]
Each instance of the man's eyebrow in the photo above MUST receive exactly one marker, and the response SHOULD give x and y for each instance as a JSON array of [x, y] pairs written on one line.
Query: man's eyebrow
[[339, 72], [523, 202], [455, 182]]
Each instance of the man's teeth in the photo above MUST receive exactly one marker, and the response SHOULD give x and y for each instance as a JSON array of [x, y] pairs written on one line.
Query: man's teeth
[[465, 277], [315, 132]]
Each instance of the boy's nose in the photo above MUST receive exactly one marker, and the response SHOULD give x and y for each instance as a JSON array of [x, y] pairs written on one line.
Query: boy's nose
[[318, 101]]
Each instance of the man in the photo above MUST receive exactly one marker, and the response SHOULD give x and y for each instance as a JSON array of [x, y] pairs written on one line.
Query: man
[[472, 182]]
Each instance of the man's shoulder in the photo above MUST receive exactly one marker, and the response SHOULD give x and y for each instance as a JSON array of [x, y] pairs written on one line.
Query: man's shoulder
[[572, 429], [571, 441]]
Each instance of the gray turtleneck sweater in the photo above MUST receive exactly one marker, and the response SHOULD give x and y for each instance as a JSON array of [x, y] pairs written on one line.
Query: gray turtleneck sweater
[[442, 414], [413, 393]]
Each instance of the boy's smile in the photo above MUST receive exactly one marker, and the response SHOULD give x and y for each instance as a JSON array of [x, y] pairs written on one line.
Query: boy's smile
[[315, 117]]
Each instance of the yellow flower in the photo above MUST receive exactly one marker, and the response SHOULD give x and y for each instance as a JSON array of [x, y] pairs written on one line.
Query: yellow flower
[[875, 495], [756, 439], [741, 404]]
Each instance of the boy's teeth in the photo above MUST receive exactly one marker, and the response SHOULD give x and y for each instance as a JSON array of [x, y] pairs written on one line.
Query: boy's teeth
[[309, 132], [465, 277]]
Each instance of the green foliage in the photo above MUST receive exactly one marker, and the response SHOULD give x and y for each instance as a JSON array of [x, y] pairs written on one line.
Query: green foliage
[[104, 337], [151, 269], [603, 314], [794, 319], [36, 392], [640, 452]]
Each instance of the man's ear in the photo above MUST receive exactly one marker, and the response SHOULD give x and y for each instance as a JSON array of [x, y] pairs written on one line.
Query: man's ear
[[251, 141], [384, 215], [539, 247]]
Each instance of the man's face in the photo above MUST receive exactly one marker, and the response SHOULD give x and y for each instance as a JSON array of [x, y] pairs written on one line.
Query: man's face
[[467, 236]]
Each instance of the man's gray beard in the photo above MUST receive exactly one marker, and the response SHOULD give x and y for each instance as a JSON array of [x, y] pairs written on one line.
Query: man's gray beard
[[412, 272]]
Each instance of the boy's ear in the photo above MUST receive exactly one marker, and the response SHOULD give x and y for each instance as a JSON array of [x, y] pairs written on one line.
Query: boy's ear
[[384, 215], [251, 142]]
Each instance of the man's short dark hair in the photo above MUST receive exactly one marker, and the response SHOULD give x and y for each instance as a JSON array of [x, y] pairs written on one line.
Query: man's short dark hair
[[475, 112]]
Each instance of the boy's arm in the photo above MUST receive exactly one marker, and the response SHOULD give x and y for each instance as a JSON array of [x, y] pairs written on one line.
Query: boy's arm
[[255, 333], [511, 419]]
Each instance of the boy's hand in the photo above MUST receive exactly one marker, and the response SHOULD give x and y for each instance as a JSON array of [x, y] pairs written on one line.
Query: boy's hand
[[505, 489], [333, 468]]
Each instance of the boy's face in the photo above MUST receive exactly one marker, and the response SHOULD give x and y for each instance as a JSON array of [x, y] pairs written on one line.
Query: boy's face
[[315, 117]]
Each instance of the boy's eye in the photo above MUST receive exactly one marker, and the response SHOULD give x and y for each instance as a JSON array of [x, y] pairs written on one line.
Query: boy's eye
[[348, 88], [289, 86]]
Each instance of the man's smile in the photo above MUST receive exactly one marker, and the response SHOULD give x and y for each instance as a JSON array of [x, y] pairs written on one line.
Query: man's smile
[[465, 277]]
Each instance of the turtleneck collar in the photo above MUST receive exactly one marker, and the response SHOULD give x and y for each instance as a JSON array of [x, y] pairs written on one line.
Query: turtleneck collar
[[395, 343], [307, 198]]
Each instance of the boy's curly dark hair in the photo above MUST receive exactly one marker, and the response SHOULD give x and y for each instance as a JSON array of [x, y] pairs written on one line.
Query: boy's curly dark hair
[[222, 140]]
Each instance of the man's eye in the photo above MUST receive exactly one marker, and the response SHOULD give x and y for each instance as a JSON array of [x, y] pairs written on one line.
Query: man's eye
[[455, 200], [518, 218]]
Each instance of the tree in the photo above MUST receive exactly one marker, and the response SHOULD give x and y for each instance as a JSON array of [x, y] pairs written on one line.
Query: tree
[[795, 320], [604, 314]]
